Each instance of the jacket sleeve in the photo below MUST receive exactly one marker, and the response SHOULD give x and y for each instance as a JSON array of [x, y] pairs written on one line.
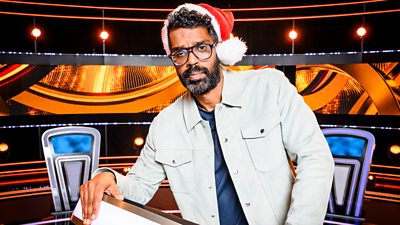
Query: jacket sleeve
[[307, 146], [146, 175]]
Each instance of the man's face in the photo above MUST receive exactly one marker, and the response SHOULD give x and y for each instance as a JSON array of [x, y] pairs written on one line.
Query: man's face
[[198, 76]]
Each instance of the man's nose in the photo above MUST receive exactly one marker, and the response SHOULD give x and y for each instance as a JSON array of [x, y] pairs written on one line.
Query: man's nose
[[192, 59]]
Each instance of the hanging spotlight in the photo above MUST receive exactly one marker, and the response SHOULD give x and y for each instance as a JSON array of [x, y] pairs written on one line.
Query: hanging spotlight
[[36, 32], [395, 149], [293, 34], [3, 147], [138, 141], [361, 31], [104, 35], [394, 152]]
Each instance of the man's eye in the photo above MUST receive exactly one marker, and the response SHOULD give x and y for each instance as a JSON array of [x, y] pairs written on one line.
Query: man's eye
[[180, 54], [202, 48]]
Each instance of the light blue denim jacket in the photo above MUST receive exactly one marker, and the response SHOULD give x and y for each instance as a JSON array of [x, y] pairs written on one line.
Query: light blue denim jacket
[[261, 115]]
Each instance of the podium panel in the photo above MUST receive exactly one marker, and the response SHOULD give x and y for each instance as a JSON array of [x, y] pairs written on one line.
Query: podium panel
[[114, 211]]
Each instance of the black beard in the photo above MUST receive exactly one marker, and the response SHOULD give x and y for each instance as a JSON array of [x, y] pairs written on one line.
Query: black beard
[[204, 85]]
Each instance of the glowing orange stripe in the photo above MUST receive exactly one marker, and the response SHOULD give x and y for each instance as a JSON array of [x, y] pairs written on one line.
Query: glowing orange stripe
[[388, 186], [119, 157], [24, 181], [316, 17], [42, 161], [88, 7], [387, 178], [15, 70], [21, 163], [8, 69], [168, 10], [383, 166], [14, 174], [384, 174], [82, 17], [236, 20], [16, 192], [384, 199], [387, 195], [117, 164], [305, 6], [26, 195]]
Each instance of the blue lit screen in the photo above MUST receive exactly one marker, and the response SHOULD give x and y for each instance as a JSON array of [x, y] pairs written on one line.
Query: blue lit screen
[[346, 146], [72, 143]]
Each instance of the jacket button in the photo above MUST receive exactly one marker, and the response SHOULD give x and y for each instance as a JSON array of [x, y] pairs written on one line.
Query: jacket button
[[225, 140], [262, 130], [212, 215], [173, 161], [247, 204]]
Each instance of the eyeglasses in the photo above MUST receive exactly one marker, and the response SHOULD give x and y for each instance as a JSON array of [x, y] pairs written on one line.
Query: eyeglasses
[[201, 51]]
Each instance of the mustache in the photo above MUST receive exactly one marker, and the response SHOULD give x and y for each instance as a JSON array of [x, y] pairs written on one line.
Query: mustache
[[194, 69]]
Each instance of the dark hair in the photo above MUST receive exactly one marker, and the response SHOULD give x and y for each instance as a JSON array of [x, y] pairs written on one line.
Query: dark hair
[[191, 19]]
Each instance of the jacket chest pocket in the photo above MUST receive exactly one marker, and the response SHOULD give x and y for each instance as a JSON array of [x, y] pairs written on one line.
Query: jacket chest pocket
[[178, 167], [263, 139]]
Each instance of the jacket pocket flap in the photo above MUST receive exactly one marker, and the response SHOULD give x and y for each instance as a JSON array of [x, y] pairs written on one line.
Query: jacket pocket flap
[[261, 126], [173, 158]]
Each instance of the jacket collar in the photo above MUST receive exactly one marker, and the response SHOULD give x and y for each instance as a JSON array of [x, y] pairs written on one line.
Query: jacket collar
[[190, 112], [232, 89], [230, 96]]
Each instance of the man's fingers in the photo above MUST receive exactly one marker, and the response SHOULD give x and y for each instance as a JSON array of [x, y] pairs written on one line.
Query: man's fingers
[[113, 191], [97, 197], [92, 193], [83, 196]]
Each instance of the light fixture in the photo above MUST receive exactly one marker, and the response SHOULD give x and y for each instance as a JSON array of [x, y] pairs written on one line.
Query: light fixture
[[138, 141], [4, 147], [361, 31], [36, 32], [293, 34], [104, 35], [395, 149]]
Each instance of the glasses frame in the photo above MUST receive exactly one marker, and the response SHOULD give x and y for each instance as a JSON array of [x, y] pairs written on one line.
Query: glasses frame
[[190, 50]]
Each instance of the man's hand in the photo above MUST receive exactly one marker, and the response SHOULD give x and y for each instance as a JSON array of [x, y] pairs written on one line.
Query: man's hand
[[91, 194]]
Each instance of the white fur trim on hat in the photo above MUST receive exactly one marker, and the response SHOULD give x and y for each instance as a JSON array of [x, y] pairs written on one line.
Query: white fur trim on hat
[[231, 51]]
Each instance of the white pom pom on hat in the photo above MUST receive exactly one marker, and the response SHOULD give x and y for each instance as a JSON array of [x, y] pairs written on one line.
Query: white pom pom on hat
[[231, 49]]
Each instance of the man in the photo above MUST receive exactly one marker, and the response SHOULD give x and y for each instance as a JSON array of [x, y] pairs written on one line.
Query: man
[[223, 146]]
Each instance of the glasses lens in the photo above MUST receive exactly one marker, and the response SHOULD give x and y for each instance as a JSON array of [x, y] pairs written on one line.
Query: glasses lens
[[179, 57], [202, 52]]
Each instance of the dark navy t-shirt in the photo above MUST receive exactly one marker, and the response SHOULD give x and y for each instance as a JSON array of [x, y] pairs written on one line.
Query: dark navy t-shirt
[[229, 208]]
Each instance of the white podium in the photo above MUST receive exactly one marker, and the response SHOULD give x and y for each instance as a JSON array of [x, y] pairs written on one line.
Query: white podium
[[114, 211]]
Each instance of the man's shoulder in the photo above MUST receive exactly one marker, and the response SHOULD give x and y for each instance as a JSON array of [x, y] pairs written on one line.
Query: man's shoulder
[[170, 112]]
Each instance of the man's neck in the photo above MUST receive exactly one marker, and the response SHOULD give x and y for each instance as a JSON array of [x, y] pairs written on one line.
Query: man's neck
[[208, 100]]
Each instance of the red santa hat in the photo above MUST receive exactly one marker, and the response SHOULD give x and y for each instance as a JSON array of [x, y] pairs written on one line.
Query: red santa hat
[[231, 49]]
